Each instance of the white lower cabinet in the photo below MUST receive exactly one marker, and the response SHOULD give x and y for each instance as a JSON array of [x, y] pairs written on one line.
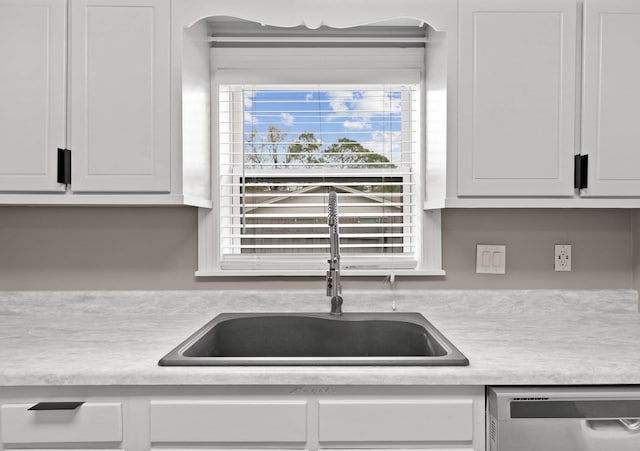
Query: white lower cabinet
[[312, 418], [229, 421], [395, 420]]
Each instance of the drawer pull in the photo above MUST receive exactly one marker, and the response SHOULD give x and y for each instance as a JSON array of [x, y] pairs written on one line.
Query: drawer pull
[[56, 405]]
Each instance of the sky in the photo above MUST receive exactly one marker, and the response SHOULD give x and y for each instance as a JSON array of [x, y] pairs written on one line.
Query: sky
[[371, 117]]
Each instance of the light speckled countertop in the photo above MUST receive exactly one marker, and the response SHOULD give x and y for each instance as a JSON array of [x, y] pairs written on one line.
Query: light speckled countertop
[[510, 337]]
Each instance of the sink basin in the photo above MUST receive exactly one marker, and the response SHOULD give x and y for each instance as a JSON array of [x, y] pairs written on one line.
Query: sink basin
[[316, 339]]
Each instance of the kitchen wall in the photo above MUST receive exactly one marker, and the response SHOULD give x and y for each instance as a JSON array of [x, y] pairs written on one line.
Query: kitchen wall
[[636, 248], [99, 248]]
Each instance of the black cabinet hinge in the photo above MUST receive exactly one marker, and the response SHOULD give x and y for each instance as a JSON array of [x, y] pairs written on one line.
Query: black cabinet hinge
[[64, 166], [581, 170]]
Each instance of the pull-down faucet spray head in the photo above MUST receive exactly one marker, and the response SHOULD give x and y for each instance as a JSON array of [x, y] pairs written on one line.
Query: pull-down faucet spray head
[[333, 275]]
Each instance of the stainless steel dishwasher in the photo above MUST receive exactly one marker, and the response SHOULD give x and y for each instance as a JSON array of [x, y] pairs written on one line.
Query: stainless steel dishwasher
[[564, 418]]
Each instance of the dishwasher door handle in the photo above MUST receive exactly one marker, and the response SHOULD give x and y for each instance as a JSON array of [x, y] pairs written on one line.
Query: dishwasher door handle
[[630, 424], [613, 425], [615, 434]]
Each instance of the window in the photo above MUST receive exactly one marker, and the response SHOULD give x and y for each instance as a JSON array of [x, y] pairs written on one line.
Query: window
[[282, 148], [294, 123]]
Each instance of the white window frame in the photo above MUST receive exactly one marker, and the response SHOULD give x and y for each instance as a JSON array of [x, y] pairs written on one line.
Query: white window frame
[[429, 254]]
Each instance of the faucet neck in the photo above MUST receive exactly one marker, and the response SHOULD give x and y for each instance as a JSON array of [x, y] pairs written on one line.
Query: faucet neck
[[333, 275]]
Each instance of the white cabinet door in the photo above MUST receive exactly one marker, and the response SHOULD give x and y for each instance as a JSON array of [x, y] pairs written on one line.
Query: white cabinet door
[[120, 95], [32, 93], [229, 421], [611, 103], [394, 421], [517, 97]]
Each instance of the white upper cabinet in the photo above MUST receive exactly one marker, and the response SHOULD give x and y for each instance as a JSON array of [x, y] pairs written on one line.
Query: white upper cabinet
[[517, 66], [32, 93], [126, 86], [94, 76], [611, 100], [120, 140]]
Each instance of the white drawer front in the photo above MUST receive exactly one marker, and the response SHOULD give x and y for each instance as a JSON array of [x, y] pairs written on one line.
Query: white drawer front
[[397, 449], [89, 423], [229, 421], [395, 421]]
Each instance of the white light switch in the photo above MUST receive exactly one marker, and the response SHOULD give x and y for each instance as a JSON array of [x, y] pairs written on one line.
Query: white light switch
[[491, 258]]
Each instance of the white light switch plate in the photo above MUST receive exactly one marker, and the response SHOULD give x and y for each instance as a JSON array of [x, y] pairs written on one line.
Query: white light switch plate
[[491, 258]]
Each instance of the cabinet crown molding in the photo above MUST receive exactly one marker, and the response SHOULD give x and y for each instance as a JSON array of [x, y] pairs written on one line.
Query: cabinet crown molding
[[312, 14]]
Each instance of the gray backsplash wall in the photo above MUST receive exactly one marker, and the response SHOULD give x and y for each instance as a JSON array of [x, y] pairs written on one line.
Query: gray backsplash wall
[[105, 248], [636, 248]]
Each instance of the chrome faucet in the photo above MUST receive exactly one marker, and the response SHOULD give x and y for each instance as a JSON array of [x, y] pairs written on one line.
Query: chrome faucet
[[334, 289]]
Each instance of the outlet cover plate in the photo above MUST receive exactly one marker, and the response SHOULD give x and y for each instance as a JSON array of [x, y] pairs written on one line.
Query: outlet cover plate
[[562, 260], [491, 258]]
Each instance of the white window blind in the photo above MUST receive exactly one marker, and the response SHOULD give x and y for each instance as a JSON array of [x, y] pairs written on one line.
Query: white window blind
[[283, 147]]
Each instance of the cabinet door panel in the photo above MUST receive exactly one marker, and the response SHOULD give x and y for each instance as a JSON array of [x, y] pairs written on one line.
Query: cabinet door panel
[[32, 93], [120, 95], [229, 421], [395, 421], [517, 97], [446, 448], [611, 105]]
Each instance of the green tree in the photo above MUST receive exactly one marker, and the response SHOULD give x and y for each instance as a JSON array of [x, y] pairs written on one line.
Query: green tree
[[305, 151], [350, 152]]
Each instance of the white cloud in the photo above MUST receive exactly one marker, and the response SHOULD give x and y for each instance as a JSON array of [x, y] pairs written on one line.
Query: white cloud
[[250, 118], [385, 143], [308, 97], [359, 107], [338, 101], [248, 99], [376, 103], [356, 125], [287, 119]]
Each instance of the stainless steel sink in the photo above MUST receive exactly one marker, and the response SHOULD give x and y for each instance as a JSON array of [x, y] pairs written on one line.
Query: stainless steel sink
[[316, 339]]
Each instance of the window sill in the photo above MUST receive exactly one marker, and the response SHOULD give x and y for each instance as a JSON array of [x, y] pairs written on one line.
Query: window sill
[[319, 273]]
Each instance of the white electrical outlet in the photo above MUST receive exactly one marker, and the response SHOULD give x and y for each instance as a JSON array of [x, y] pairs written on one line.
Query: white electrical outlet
[[563, 257], [491, 259]]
